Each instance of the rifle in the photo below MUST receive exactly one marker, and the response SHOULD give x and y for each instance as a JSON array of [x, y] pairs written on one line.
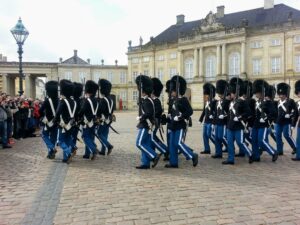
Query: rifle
[[177, 95], [140, 95]]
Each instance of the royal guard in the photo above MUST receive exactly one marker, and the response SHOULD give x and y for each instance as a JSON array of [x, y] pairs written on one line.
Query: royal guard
[[239, 112], [65, 115], [158, 110], [181, 112], [207, 116], [286, 112], [221, 116], [296, 120], [107, 116], [265, 113], [269, 96], [88, 113], [48, 110]]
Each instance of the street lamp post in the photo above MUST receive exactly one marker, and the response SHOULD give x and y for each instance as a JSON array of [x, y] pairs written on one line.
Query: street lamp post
[[20, 33]]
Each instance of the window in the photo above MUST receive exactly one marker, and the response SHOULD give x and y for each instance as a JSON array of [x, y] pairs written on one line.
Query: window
[[160, 74], [134, 95], [173, 72], [97, 76], [256, 44], [211, 66], [146, 59], [123, 95], [134, 76], [257, 65], [160, 58], [122, 77], [135, 60], [275, 42], [297, 63], [188, 68], [275, 64], [110, 76], [82, 77], [234, 64], [173, 55], [146, 72], [297, 39], [68, 75]]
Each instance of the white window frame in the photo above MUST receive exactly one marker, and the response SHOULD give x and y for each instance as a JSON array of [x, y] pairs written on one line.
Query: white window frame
[[82, 77], [161, 58], [122, 77], [146, 72], [109, 76], [97, 76], [68, 75], [256, 44], [146, 58], [134, 76], [173, 71], [189, 68], [135, 95], [210, 66], [135, 60], [123, 95], [257, 66], [276, 65], [275, 42], [173, 55], [160, 74], [234, 64], [297, 63], [297, 39]]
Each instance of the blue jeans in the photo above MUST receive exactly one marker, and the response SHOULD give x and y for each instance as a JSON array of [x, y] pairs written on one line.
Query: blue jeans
[[143, 142], [65, 142], [207, 135], [260, 140], [49, 136], [102, 132], [298, 143], [220, 137], [176, 143], [3, 130], [287, 133], [238, 136], [156, 143], [88, 137]]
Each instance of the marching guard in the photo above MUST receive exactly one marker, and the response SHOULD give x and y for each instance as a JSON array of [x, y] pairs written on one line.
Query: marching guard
[[286, 113], [106, 115], [181, 112], [145, 122], [48, 109], [296, 120]]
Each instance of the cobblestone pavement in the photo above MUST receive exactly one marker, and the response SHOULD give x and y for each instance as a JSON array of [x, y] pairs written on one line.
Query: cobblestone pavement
[[109, 190]]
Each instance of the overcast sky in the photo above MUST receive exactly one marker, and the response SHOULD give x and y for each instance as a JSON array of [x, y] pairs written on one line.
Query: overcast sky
[[99, 29]]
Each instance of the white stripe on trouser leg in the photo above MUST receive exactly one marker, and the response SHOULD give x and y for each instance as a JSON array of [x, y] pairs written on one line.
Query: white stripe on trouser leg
[[243, 143], [140, 143], [180, 144], [290, 135], [156, 143], [265, 143], [224, 135]]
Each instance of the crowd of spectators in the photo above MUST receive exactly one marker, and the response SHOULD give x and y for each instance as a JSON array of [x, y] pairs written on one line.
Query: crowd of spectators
[[19, 118]]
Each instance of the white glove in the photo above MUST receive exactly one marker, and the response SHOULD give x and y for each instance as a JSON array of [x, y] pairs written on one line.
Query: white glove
[[176, 118], [292, 128], [211, 117], [287, 116], [235, 119], [221, 117], [199, 122], [262, 120], [138, 118]]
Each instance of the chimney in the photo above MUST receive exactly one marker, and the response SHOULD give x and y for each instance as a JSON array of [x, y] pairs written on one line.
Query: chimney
[[60, 59], [116, 62], [180, 20], [75, 52], [102, 62], [269, 4], [220, 11], [88, 61]]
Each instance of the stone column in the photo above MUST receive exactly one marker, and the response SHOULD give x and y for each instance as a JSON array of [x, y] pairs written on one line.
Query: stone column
[[218, 60], [201, 60], [224, 61], [11, 86], [243, 57], [28, 86], [33, 88], [196, 66], [4, 82], [180, 62]]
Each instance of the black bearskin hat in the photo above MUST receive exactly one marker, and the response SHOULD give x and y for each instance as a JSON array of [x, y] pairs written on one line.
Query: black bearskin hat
[[283, 89], [168, 85], [270, 91], [233, 83], [78, 88], [209, 89], [105, 87], [182, 84], [66, 88], [248, 88], [297, 87], [91, 87], [52, 89], [258, 85], [221, 86], [147, 84], [157, 86]]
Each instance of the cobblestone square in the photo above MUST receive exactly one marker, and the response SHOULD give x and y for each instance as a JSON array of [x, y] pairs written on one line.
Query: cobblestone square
[[109, 190]]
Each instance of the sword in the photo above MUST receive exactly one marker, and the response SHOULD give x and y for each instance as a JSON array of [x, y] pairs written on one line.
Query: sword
[[113, 129], [160, 132]]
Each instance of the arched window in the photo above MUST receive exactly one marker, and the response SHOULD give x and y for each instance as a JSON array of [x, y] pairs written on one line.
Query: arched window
[[210, 67], [234, 64], [188, 68]]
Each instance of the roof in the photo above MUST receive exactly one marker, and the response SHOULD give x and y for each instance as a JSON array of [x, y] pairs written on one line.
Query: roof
[[256, 18], [74, 60]]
